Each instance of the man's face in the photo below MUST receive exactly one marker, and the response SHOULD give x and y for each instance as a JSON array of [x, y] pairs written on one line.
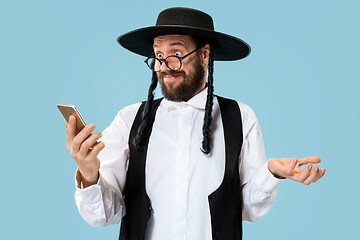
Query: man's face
[[183, 84]]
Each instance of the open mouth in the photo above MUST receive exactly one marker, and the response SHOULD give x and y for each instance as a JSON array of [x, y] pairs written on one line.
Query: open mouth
[[170, 77], [166, 76]]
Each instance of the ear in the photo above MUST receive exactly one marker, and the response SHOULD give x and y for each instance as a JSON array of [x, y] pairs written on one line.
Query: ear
[[205, 55]]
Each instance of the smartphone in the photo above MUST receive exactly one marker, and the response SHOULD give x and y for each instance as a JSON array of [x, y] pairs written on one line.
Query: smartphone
[[67, 110]]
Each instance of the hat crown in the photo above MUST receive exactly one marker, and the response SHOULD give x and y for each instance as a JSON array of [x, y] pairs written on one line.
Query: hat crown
[[185, 21], [185, 17]]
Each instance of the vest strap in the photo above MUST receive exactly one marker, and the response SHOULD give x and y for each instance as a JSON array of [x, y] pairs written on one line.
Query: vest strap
[[226, 202], [133, 224]]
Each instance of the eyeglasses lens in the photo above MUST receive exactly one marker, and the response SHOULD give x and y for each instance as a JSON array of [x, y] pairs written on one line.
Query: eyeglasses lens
[[172, 62], [153, 64]]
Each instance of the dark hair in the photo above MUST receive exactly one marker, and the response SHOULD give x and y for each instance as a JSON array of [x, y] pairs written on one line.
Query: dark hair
[[206, 143], [143, 134]]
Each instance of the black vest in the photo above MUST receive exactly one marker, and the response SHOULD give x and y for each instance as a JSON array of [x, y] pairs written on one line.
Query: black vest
[[225, 203]]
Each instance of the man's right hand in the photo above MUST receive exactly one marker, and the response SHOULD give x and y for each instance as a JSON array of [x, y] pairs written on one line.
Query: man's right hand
[[84, 148]]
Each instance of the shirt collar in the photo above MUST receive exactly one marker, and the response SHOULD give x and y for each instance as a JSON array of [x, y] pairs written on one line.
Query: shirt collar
[[197, 101]]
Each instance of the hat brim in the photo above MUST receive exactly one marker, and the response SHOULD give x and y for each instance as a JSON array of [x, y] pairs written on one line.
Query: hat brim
[[226, 47]]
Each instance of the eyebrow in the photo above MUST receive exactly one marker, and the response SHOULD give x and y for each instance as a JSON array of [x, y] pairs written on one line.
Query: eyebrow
[[172, 44], [177, 44]]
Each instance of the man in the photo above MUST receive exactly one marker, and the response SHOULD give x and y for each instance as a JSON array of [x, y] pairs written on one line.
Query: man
[[202, 155]]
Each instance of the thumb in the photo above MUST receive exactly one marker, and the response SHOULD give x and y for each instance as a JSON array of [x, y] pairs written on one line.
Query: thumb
[[312, 159]]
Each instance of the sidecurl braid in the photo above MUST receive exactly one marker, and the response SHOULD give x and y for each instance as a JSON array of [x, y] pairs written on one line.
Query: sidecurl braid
[[206, 143], [143, 133]]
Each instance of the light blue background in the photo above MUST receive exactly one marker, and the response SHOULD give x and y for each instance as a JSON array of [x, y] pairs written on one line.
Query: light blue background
[[301, 79]]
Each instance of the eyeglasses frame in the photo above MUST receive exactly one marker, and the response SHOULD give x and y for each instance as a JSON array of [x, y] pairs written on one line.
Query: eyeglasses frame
[[164, 60]]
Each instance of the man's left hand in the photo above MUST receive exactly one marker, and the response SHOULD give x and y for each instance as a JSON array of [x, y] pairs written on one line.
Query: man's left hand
[[290, 168]]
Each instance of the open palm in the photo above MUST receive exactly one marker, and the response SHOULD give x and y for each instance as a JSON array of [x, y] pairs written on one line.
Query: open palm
[[290, 168]]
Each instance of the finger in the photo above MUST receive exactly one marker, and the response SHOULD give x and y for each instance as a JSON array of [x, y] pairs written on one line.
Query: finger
[[97, 148], [307, 160], [82, 136], [313, 175], [290, 169], [304, 174], [88, 143], [297, 170], [70, 131], [320, 174]]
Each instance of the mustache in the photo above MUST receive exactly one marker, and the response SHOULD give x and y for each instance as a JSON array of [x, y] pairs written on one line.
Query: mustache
[[170, 73]]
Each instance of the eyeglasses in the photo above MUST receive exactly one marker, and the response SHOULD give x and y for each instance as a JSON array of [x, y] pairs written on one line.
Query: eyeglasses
[[172, 62]]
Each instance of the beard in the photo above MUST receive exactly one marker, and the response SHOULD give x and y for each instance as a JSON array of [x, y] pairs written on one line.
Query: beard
[[186, 89]]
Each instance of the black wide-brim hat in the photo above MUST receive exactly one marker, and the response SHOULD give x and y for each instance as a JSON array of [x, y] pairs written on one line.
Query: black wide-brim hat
[[185, 21]]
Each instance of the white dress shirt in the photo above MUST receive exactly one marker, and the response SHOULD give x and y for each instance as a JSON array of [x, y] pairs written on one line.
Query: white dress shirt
[[179, 177]]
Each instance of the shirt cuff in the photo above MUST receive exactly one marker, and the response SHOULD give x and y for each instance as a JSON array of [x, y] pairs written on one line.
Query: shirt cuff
[[91, 194], [267, 180]]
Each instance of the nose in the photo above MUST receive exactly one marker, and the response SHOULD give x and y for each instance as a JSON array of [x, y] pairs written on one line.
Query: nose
[[164, 67]]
